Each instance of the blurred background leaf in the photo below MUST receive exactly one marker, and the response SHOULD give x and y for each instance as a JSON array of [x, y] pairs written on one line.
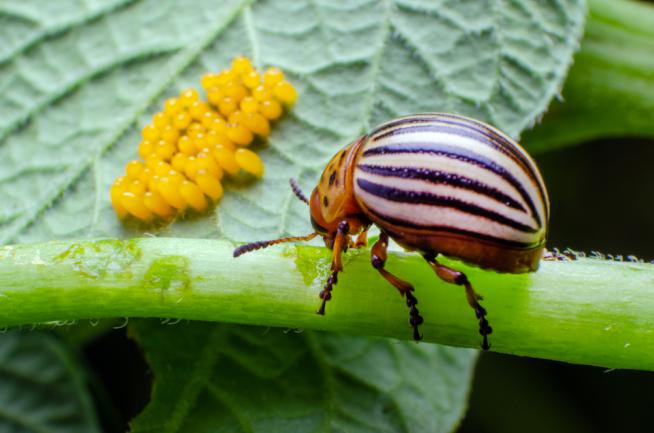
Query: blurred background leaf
[[42, 386], [251, 379]]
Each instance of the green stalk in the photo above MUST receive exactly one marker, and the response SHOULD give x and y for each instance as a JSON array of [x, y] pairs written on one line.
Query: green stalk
[[610, 88], [587, 311]]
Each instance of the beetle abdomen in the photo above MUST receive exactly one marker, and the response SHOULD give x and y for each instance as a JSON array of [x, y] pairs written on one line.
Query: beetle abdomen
[[454, 185]]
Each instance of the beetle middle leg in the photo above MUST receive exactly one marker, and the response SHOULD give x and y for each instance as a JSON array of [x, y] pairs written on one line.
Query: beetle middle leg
[[453, 276], [340, 244], [378, 255]]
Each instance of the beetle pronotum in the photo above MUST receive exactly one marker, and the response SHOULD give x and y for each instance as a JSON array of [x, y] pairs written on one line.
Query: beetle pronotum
[[438, 184]]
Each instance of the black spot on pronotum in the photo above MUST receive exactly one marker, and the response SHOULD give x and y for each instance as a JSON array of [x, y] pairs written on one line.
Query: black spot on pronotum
[[325, 201], [332, 178]]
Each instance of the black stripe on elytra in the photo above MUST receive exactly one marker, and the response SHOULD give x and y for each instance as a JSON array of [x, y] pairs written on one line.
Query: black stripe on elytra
[[470, 130], [460, 154], [419, 197], [476, 129], [443, 178], [508, 143], [454, 230]]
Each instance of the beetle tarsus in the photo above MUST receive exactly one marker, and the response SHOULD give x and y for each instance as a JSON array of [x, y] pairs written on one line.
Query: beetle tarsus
[[340, 243], [415, 319], [453, 276], [378, 255]]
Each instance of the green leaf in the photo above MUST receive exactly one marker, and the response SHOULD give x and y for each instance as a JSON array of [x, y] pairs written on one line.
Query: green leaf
[[41, 387], [610, 88], [78, 82], [247, 379]]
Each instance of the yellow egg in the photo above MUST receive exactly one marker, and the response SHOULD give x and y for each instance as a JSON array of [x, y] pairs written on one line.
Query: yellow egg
[[169, 133], [188, 96], [209, 80], [115, 194], [165, 150], [178, 161], [249, 161], [169, 190], [157, 205], [193, 195], [206, 162], [249, 105], [215, 95], [241, 65], [162, 168], [261, 93], [172, 107], [209, 184], [208, 118], [150, 132], [185, 145], [197, 109], [134, 205], [252, 79], [239, 134], [257, 123], [219, 125], [146, 148], [160, 120], [134, 169], [285, 92], [191, 167], [136, 187], [225, 158], [235, 91], [194, 129], [182, 120], [272, 76], [145, 176], [227, 106], [271, 109]]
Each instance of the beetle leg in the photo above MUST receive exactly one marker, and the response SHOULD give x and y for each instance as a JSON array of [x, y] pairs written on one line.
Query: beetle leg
[[378, 255], [453, 276], [340, 244], [362, 239]]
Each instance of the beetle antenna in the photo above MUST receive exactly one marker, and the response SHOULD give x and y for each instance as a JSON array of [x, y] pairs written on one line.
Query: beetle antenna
[[265, 244], [297, 191]]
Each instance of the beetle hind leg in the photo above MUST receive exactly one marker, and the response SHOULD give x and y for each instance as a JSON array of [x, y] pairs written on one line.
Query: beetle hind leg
[[453, 276], [378, 255]]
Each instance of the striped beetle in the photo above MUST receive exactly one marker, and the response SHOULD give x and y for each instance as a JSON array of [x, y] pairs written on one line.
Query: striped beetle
[[436, 183]]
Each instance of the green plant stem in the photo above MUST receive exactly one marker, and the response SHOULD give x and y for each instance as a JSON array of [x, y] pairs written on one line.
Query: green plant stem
[[586, 311], [610, 88]]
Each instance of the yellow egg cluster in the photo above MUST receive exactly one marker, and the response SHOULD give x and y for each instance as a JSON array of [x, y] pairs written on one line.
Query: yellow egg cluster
[[191, 143]]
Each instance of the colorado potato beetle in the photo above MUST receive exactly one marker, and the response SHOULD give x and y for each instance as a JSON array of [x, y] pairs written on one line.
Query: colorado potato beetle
[[438, 184]]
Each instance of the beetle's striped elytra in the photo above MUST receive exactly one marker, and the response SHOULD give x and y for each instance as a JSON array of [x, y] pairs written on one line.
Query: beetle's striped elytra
[[438, 184]]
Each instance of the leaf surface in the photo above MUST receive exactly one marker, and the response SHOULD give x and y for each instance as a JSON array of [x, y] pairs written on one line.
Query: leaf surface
[[78, 80], [247, 379], [41, 387]]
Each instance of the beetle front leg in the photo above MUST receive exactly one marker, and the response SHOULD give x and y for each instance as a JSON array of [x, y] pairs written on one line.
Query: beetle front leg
[[453, 276], [340, 243], [378, 255]]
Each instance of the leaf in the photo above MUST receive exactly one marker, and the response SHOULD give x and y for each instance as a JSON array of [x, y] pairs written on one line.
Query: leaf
[[41, 387], [78, 80], [610, 88], [212, 377]]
